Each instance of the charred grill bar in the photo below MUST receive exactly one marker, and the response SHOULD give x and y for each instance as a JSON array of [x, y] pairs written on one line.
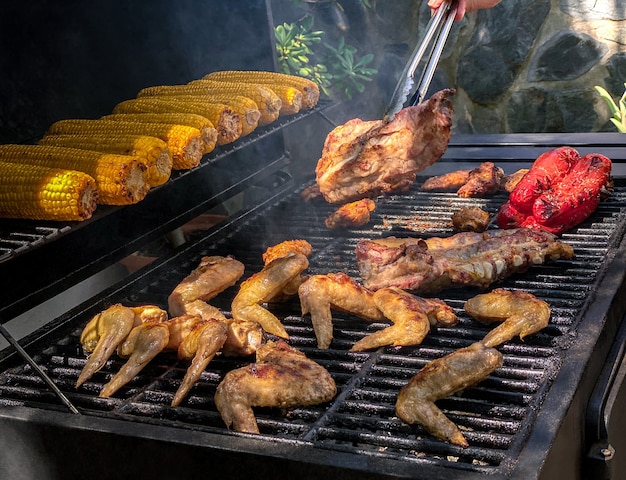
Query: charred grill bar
[[547, 413]]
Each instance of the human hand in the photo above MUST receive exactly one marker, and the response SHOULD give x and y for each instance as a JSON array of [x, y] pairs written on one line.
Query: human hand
[[464, 6]]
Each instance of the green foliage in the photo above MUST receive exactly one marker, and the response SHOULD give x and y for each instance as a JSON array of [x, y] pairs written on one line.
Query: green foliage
[[301, 51], [618, 110]]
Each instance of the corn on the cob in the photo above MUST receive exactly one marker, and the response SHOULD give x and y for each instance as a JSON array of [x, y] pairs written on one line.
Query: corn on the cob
[[226, 121], [184, 143], [244, 106], [152, 150], [267, 101], [207, 130], [39, 193], [290, 97], [120, 179], [309, 89]]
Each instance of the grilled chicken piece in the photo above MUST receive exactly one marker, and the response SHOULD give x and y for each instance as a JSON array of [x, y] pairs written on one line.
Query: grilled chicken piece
[[521, 313], [262, 287], [281, 377], [464, 259], [412, 318], [368, 158], [470, 219], [199, 346], [286, 248], [212, 276], [143, 343], [510, 181], [440, 378], [319, 293], [482, 181], [351, 215], [447, 182], [106, 330]]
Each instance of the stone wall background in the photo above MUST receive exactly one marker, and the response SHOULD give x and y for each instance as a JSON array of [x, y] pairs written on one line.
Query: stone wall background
[[524, 66], [531, 65]]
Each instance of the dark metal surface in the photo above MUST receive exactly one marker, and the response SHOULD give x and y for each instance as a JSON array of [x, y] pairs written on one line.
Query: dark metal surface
[[513, 421]]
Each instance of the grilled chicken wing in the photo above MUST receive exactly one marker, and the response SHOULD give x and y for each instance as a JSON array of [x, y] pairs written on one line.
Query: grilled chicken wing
[[440, 378], [351, 215], [482, 181], [521, 313], [281, 377], [319, 293], [262, 287], [412, 318], [288, 247], [470, 219], [214, 275], [447, 182], [106, 330]]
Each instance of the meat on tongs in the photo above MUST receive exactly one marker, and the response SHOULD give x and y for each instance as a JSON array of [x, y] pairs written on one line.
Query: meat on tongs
[[364, 159]]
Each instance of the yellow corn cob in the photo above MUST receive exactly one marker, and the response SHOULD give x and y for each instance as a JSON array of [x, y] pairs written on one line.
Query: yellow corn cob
[[244, 106], [184, 143], [152, 150], [309, 89], [290, 97], [40, 193], [207, 130], [268, 102], [226, 121], [120, 179]]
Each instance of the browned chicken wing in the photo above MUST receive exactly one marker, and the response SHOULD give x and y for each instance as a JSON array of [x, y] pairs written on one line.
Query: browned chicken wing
[[319, 293], [281, 377], [351, 215], [440, 378], [214, 275], [447, 182], [264, 286], [106, 330], [412, 318], [521, 313], [482, 181]]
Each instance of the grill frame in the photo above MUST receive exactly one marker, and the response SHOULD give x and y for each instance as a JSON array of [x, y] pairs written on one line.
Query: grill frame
[[592, 344]]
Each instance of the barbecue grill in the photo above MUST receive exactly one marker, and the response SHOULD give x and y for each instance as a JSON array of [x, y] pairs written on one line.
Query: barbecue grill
[[548, 412]]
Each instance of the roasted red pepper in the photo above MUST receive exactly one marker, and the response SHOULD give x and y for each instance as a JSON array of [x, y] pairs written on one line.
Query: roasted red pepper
[[560, 191]]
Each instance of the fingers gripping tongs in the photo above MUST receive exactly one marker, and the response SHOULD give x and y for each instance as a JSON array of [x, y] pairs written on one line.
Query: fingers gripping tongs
[[437, 30]]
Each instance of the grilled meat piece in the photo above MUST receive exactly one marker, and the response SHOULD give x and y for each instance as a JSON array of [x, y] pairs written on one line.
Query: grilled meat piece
[[470, 219], [510, 181], [319, 293], [482, 181], [447, 182], [281, 377], [262, 287], [212, 276], [440, 378], [521, 313], [411, 316], [467, 258], [368, 158], [288, 247], [560, 191], [351, 215]]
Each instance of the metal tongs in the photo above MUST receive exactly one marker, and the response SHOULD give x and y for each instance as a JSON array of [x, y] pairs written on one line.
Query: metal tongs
[[438, 28]]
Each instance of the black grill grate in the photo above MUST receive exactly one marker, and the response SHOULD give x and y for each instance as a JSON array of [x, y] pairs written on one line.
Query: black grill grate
[[495, 416]]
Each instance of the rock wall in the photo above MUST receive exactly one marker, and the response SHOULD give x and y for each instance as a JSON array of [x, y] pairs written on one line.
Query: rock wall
[[531, 65]]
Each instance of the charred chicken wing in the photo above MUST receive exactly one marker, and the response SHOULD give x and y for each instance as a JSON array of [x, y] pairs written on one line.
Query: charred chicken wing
[[282, 377], [351, 215]]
